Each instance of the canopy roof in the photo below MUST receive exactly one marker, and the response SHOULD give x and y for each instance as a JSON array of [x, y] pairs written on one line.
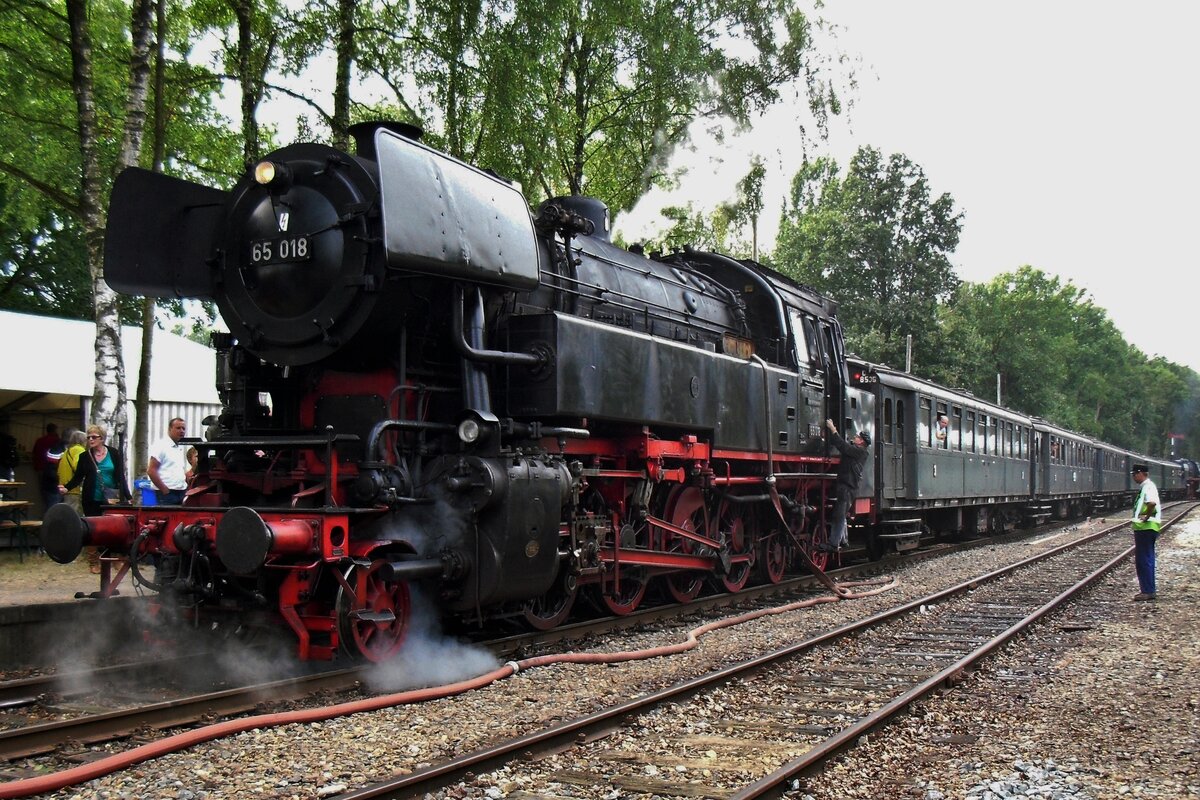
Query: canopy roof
[[48, 363]]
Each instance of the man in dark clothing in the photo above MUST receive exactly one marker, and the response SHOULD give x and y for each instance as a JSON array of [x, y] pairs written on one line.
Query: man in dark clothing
[[45, 467], [850, 470]]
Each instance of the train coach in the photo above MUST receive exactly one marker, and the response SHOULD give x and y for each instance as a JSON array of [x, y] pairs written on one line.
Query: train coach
[[1169, 477], [945, 462], [948, 463]]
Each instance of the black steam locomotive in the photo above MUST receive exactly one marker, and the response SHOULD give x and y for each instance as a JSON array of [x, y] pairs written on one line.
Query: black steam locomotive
[[426, 383]]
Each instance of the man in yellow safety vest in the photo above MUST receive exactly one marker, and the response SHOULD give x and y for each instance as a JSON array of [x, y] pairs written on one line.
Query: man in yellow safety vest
[[1147, 522]]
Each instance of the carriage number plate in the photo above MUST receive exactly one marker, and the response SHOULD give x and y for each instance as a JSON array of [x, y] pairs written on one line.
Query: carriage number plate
[[278, 251]]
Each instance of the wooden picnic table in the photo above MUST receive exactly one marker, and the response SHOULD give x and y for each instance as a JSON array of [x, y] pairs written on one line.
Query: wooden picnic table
[[12, 521]]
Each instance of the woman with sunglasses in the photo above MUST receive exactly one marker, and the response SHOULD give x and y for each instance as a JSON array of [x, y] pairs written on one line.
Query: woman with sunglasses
[[102, 474]]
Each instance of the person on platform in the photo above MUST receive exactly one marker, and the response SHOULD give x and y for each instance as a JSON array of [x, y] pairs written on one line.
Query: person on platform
[[101, 472], [44, 466], [68, 463], [168, 464]]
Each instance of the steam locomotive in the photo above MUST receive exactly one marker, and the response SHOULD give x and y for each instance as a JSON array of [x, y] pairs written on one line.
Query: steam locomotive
[[424, 383]]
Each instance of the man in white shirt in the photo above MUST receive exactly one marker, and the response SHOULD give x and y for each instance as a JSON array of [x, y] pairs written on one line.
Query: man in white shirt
[[168, 464], [1147, 522]]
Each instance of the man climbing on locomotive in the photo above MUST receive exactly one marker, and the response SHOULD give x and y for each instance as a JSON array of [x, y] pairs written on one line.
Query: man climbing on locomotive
[[849, 475]]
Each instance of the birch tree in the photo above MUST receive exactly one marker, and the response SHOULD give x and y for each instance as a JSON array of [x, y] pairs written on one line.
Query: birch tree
[[109, 394]]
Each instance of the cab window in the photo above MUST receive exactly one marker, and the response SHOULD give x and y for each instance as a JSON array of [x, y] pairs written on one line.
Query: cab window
[[808, 346]]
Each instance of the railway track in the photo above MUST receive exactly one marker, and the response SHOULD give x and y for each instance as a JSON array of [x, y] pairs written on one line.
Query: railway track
[[91, 727], [66, 696], [180, 712], [748, 730]]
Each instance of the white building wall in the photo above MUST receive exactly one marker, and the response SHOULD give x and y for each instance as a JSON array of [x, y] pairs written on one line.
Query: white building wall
[[160, 414]]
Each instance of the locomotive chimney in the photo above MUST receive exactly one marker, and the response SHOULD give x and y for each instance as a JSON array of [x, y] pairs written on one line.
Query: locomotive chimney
[[364, 135]]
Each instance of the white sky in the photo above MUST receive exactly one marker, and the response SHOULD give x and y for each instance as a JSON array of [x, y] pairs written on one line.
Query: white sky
[[1066, 131]]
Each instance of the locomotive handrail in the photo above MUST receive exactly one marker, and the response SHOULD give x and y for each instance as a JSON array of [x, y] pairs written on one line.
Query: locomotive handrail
[[643, 305], [274, 441], [755, 358], [328, 441]]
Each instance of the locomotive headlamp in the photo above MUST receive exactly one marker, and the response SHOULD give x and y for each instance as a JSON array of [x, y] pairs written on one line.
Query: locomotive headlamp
[[264, 172], [476, 426], [469, 430], [269, 173]]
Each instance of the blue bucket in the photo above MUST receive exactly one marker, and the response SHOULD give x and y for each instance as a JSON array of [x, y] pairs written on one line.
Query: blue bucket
[[148, 492]]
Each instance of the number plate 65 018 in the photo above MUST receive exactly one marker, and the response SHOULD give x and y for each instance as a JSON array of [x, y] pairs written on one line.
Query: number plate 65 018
[[278, 251]]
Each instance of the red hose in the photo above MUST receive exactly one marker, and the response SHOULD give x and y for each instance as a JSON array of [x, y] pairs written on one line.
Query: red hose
[[86, 772], [105, 766]]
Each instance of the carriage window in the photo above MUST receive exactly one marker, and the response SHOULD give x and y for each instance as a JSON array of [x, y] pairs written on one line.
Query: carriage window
[[969, 433], [925, 422], [1055, 450], [981, 434], [1010, 448], [941, 430], [956, 428], [887, 420], [900, 422]]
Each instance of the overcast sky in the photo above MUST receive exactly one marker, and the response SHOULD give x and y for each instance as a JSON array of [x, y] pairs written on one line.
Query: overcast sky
[[1065, 130]]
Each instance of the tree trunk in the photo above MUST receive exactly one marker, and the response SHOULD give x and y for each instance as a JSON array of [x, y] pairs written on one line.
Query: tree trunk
[[247, 79], [141, 433], [108, 394], [345, 62]]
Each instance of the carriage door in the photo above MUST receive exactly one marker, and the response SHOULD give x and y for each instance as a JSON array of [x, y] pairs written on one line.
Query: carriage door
[[891, 443]]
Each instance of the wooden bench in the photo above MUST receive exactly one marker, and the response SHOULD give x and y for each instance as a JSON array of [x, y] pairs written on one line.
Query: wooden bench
[[18, 534]]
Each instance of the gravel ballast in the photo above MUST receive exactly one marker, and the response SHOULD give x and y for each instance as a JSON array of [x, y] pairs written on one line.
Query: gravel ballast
[[1099, 702]]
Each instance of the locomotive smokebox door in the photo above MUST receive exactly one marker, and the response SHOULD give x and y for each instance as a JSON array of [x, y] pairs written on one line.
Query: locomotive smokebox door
[[444, 217]]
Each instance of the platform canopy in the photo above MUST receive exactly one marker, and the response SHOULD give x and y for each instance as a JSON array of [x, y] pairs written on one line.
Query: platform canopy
[[47, 364]]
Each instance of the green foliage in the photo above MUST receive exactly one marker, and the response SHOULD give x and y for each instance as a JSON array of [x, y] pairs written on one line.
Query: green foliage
[[45, 267], [692, 228], [43, 263], [1059, 356], [747, 207], [877, 242], [588, 97]]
